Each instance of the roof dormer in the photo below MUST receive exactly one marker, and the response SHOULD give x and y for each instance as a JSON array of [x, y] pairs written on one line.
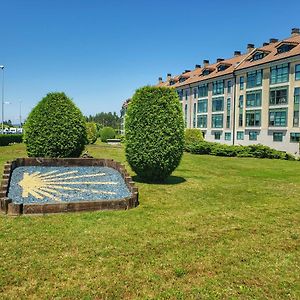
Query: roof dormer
[[285, 47], [207, 71], [259, 54], [223, 66]]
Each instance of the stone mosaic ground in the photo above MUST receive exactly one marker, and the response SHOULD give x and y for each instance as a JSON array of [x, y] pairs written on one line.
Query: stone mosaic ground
[[66, 184]]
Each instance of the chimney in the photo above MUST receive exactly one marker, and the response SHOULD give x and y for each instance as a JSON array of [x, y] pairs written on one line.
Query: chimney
[[295, 31], [160, 80], [272, 41], [169, 76], [197, 66], [205, 62], [219, 59], [237, 53], [250, 47], [265, 44]]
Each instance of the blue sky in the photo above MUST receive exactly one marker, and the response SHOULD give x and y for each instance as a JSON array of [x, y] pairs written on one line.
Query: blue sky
[[100, 52]]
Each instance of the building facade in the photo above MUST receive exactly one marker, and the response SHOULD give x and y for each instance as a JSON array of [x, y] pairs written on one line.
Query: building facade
[[251, 98]]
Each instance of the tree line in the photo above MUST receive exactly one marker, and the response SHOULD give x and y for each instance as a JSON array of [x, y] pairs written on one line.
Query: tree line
[[105, 119]]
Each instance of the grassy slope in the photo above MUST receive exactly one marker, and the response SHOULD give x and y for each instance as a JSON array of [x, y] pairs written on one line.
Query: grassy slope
[[222, 228]]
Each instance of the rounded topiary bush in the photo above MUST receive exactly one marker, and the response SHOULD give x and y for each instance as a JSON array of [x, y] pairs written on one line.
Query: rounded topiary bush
[[154, 133], [192, 136], [92, 132], [107, 133], [55, 128]]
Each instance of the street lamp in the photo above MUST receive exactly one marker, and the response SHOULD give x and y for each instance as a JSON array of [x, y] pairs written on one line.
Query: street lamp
[[2, 67]]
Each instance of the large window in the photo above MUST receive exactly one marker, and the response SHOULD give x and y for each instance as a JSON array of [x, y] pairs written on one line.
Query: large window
[[202, 121], [229, 86], [254, 79], [203, 90], [195, 93], [186, 94], [227, 136], [218, 87], [185, 114], [253, 99], [279, 96], [194, 115], [240, 135], [297, 72], [242, 82], [202, 106], [280, 73], [218, 104], [253, 118], [217, 121], [278, 117], [277, 136], [295, 137], [180, 94], [218, 135], [253, 135], [228, 106], [296, 107], [241, 106]]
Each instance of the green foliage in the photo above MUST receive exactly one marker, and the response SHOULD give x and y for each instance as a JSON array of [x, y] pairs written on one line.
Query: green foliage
[[107, 133], [192, 136], [257, 151], [105, 119], [92, 132], [154, 133], [55, 128], [6, 139]]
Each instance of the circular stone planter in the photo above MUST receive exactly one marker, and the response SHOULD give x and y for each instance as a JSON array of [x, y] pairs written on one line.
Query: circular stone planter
[[55, 185]]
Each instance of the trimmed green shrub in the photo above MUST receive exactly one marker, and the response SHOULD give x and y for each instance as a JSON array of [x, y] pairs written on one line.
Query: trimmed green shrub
[[154, 133], [192, 136], [55, 128], [107, 133], [6, 139], [92, 133], [257, 151]]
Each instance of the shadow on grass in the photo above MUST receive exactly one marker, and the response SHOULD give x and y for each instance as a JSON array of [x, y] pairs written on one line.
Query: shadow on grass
[[169, 181]]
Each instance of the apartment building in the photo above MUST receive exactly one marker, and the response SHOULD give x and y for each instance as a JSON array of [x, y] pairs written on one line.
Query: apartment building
[[251, 98]]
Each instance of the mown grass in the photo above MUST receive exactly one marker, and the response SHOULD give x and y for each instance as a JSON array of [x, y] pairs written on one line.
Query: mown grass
[[220, 228]]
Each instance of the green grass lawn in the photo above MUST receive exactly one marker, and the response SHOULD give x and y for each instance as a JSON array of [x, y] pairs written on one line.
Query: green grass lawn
[[220, 228]]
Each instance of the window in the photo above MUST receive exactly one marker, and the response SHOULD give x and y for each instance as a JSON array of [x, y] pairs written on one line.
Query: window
[[253, 117], [217, 121], [296, 107], [186, 94], [295, 137], [253, 135], [241, 82], [194, 115], [202, 121], [227, 136], [180, 94], [297, 72], [202, 106], [280, 73], [218, 104], [279, 96], [195, 93], [258, 56], [206, 72], [241, 106], [218, 87], [277, 136], [229, 86], [278, 117], [253, 99], [185, 115], [254, 79], [203, 90], [218, 135], [240, 135], [285, 48], [228, 113]]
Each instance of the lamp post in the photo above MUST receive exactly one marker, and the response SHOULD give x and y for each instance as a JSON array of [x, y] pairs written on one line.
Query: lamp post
[[2, 126]]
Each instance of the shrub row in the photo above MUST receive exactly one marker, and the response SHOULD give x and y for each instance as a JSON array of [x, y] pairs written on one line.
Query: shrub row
[[6, 139], [217, 149]]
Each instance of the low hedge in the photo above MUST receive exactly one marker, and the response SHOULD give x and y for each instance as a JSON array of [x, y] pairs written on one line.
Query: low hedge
[[217, 149], [6, 139]]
